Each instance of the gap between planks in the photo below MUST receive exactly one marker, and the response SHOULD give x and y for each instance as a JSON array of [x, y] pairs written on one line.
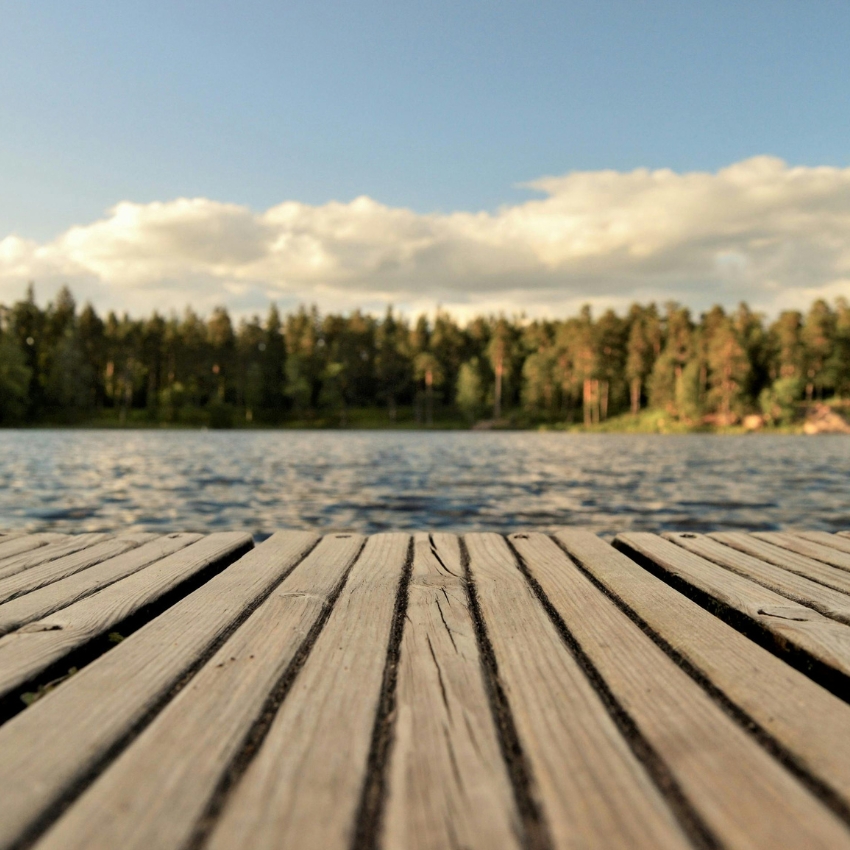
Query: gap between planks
[[79, 727], [802, 636], [735, 788]]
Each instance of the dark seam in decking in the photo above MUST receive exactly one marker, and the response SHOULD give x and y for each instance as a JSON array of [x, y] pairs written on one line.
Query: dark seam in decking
[[254, 737], [788, 594], [370, 808], [774, 747], [688, 817], [53, 812], [11, 704], [536, 829], [797, 571], [84, 594], [836, 682]]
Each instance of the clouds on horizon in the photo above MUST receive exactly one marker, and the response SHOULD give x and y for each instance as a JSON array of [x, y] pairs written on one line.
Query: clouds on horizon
[[758, 230]]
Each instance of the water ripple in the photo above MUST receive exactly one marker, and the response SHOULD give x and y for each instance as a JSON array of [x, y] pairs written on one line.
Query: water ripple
[[75, 481]]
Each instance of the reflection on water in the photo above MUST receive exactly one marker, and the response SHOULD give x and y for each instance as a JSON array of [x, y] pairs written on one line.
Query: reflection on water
[[371, 481]]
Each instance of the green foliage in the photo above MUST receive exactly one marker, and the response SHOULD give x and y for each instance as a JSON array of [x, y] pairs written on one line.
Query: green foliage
[[662, 385], [69, 379], [778, 402], [646, 370], [470, 390], [689, 403], [14, 382]]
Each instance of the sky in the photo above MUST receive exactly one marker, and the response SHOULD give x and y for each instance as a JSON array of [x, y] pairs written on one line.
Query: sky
[[498, 156]]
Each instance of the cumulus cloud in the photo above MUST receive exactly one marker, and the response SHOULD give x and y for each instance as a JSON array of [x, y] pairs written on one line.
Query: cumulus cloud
[[758, 230]]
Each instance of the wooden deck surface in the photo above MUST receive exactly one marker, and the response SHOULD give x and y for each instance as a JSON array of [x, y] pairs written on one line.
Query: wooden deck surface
[[425, 691]]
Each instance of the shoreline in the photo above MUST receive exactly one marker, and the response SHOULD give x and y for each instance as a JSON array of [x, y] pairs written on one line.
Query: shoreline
[[673, 430], [819, 418]]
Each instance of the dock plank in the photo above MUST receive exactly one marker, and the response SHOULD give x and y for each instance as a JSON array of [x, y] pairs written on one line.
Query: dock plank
[[157, 790], [795, 631], [744, 796], [829, 602], [304, 786], [38, 645], [81, 583], [810, 724], [76, 727], [26, 543], [836, 541], [427, 691], [39, 575], [50, 552], [590, 787], [448, 785], [818, 551], [802, 565]]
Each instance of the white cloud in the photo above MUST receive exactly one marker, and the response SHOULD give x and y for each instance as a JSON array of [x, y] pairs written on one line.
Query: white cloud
[[757, 230]]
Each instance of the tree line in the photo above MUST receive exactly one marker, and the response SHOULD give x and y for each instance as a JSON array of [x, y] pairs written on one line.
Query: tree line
[[61, 364]]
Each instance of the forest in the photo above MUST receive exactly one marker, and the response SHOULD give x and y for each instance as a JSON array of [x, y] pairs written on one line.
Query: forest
[[61, 365]]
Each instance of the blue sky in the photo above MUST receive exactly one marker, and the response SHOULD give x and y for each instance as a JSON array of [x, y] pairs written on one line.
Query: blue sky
[[434, 107]]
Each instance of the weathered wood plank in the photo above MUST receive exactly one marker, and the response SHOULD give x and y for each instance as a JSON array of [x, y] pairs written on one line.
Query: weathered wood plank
[[38, 645], [796, 631], [809, 723], [157, 790], [591, 788], [304, 786], [788, 560], [836, 541], [50, 552], [52, 570], [448, 785], [80, 584], [49, 749], [829, 602], [744, 797], [26, 543], [818, 551]]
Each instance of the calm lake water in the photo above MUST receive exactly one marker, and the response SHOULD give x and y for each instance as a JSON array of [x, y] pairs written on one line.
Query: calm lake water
[[67, 480]]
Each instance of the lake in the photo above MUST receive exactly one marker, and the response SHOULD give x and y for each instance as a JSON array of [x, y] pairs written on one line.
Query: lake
[[368, 481]]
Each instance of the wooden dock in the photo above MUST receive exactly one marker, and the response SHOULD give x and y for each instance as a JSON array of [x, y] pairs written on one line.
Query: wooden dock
[[425, 691]]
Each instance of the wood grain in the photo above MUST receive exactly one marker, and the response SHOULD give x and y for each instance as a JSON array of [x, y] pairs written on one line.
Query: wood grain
[[830, 603], [66, 591], [745, 797], [448, 784], [47, 750], [827, 554], [52, 570], [26, 543], [836, 541], [304, 785], [40, 644], [592, 790], [791, 625], [788, 560], [811, 724], [50, 552], [156, 791]]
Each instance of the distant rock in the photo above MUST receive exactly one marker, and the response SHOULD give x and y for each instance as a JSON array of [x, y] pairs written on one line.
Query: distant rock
[[753, 422], [822, 419], [721, 420]]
